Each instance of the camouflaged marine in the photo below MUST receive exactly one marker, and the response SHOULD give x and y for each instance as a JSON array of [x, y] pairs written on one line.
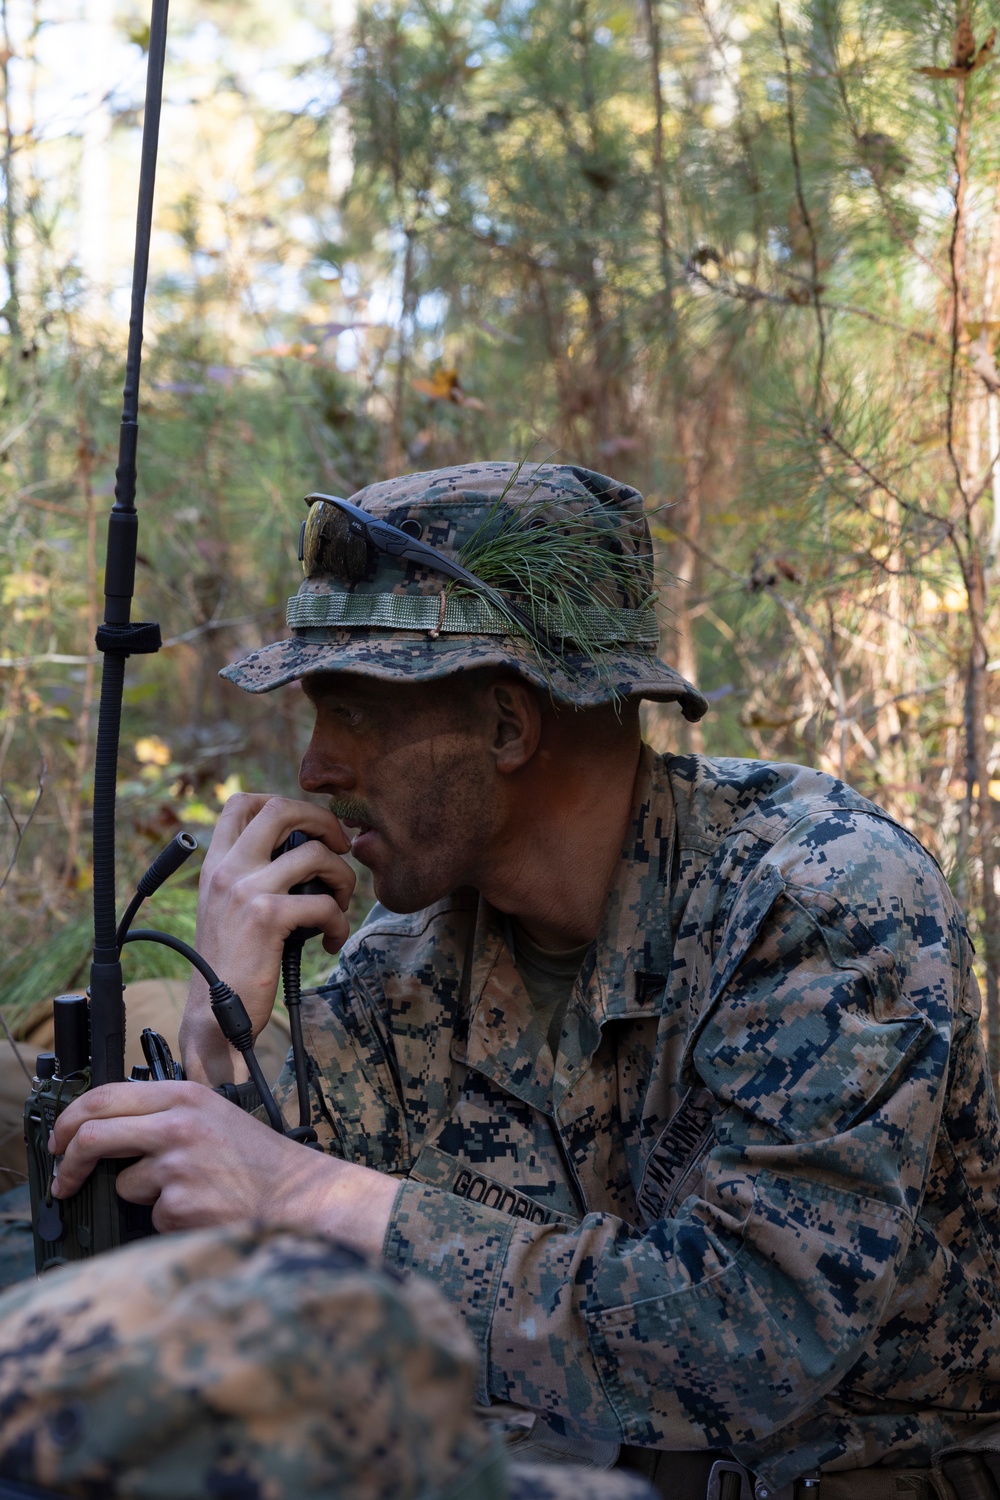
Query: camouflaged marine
[[751, 1201], [735, 1195]]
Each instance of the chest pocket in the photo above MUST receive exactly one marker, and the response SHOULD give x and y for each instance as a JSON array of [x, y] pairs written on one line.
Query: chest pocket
[[501, 1140]]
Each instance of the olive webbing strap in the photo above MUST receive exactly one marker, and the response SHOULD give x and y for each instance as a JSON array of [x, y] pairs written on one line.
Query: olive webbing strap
[[451, 614]]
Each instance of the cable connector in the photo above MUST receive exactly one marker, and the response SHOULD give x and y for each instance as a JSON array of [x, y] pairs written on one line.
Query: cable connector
[[167, 863], [231, 1014], [234, 1023]]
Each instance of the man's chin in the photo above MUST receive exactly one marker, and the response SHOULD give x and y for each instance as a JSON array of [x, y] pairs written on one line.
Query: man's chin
[[403, 896]]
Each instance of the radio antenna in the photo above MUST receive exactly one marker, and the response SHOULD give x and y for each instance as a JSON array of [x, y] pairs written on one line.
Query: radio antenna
[[119, 637]]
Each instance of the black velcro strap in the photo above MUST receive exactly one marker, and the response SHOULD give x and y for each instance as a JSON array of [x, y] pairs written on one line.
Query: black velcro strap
[[140, 638]]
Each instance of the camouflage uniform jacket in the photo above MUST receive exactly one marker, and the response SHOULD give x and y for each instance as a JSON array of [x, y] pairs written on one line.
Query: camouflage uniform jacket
[[803, 1266]]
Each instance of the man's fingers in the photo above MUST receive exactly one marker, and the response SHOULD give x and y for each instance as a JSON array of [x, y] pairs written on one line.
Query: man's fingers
[[141, 1182], [279, 816], [312, 861], [236, 815], [119, 1100], [100, 1140], [283, 914]]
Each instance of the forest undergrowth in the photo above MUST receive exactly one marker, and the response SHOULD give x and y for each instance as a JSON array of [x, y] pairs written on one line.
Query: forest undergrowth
[[743, 256]]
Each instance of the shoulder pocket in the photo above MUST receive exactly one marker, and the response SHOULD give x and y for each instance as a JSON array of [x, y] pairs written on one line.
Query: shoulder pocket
[[806, 1028]]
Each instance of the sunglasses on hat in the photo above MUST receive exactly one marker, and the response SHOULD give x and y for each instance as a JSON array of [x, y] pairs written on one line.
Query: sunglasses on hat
[[340, 538]]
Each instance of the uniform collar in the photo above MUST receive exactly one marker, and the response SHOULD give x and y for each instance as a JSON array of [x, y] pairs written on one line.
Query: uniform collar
[[622, 978]]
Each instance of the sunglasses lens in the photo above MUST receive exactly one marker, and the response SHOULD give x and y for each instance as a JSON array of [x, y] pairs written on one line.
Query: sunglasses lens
[[332, 542]]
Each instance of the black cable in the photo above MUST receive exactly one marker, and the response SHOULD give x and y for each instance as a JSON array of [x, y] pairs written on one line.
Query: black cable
[[128, 918], [151, 935], [228, 1009], [266, 1097]]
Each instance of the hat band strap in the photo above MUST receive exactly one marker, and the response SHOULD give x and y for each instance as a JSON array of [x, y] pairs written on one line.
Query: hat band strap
[[463, 615]]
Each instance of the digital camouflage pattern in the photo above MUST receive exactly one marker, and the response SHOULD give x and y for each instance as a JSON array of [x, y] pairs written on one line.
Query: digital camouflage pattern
[[250, 1365], [263, 1366], [450, 506], [803, 1266]]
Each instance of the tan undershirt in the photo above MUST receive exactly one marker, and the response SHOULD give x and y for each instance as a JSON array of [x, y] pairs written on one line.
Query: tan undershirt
[[548, 976]]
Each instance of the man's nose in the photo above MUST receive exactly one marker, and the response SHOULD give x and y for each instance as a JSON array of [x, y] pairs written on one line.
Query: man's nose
[[323, 770]]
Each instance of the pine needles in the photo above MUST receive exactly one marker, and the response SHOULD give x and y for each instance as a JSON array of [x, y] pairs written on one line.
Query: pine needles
[[567, 567]]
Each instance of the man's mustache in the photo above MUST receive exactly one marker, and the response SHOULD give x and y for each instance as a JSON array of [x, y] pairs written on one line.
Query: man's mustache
[[352, 810]]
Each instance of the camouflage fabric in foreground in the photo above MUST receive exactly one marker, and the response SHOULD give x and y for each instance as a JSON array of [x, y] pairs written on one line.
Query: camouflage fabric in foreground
[[243, 1365], [449, 509], [753, 1202], [238, 1364]]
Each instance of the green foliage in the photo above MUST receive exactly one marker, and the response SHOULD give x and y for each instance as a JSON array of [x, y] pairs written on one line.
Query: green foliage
[[752, 269]]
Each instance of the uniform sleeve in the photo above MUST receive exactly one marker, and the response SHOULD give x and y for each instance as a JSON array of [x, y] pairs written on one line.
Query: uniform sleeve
[[824, 1038]]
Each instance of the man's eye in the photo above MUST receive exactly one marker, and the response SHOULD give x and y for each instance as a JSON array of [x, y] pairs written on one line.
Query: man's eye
[[344, 714]]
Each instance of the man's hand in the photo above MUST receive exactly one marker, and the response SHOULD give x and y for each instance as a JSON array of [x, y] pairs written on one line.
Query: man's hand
[[245, 913], [206, 1163]]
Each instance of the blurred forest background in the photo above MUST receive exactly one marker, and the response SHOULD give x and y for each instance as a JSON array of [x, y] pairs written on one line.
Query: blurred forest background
[[744, 257]]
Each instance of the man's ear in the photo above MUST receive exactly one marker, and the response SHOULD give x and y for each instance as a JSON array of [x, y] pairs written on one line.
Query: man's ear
[[516, 721]]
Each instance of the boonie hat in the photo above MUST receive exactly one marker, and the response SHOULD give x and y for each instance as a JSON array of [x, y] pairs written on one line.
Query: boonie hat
[[244, 1364], [561, 547]]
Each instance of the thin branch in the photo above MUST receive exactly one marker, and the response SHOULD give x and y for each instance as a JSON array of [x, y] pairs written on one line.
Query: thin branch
[[888, 207], [947, 526], [804, 211], [746, 139], [743, 291], [659, 172], [20, 830]]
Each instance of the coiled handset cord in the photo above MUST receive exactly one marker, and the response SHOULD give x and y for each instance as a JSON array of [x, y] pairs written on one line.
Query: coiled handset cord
[[291, 983]]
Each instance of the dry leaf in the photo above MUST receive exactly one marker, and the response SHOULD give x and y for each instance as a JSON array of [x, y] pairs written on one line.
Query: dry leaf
[[984, 366], [442, 385]]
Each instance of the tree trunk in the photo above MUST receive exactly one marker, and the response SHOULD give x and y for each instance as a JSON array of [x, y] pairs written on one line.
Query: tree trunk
[[978, 706], [684, 562]]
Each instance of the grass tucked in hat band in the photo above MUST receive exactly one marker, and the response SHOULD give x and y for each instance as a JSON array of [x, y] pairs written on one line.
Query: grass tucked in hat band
[[566, 559], [463, 615]]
